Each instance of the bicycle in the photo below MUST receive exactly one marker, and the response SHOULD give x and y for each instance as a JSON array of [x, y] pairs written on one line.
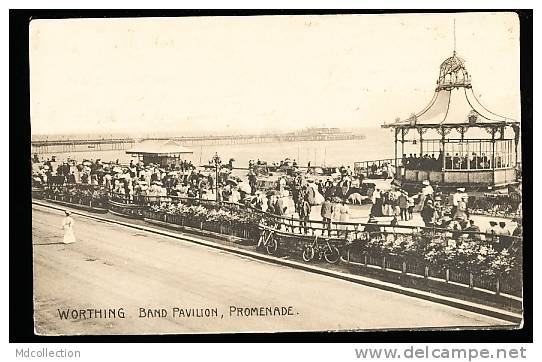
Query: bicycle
[[268, 241], [329, 252]]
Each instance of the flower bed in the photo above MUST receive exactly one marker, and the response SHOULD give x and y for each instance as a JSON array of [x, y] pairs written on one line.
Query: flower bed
[[90, 197], [227, 219], [444, 257], [502, 205], [429, 254]]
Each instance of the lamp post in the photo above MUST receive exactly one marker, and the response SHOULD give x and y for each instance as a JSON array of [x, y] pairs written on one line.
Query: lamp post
[[217, 162]]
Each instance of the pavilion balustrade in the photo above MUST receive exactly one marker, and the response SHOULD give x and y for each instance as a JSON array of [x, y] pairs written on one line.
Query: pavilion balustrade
[[375, 167], [461, 155]]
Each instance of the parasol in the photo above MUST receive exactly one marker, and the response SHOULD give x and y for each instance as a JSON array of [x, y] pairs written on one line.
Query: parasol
[[232, 182]]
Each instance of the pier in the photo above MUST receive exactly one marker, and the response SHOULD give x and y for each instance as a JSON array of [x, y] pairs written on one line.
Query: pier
[[81, 145], [109, 144]]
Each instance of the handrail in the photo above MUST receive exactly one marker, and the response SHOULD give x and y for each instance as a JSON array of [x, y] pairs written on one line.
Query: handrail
[[374, 161], [360, 246], [291, 221]]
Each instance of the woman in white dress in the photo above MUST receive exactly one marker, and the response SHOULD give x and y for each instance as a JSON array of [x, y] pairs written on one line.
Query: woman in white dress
[[336, 216], [67, 225], [344, 212]]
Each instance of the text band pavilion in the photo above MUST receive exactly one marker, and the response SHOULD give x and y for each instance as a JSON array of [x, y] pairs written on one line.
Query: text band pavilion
[[455, 140]]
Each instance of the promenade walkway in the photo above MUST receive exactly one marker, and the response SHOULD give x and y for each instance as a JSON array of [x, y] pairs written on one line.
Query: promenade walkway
[[113, 266]]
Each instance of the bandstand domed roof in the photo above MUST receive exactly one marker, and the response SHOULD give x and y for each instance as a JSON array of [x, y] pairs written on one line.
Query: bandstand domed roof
[[453, 72], [453, 62], [454, 102]]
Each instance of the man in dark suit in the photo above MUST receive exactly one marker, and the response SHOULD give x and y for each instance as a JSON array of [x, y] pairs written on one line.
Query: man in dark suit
[[327, 212], [473, 230]]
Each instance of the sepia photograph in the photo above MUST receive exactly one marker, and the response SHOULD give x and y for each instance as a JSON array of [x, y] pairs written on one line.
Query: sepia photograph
[[276, 173]]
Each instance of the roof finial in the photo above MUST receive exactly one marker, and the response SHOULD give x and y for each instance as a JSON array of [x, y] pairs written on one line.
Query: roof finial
[[454, 36]]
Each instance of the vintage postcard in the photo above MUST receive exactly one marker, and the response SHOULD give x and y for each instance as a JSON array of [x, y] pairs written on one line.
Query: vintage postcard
[[226, 174]]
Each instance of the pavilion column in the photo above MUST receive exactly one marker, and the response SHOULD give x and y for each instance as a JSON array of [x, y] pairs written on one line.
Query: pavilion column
[[421, 132], [516, 142], [493, 131], [396, 131], [443, 154], [462, 131], [443, 142], [402, 144], [403, 134]]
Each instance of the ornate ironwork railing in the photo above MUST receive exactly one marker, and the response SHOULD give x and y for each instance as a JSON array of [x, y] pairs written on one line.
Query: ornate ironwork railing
[[396, 248]]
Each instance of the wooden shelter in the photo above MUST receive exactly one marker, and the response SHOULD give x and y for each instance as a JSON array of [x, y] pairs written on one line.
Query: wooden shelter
[[159, 152]]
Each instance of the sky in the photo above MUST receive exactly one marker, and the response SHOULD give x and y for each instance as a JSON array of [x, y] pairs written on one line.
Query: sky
[[260, 73]]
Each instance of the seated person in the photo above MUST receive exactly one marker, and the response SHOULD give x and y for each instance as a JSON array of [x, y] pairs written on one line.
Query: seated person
[[473, 229], [492, 232], [455, 227], [448, 161], [504, 235]]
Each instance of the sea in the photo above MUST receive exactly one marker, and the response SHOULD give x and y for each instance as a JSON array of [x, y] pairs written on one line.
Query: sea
[[378, 144]]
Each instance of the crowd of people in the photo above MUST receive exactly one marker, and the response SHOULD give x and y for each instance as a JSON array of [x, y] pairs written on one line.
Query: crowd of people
[[426, 162], [294, 196], [384, 170], [456, 217], [396, 203], [283, 163], [455, 161], [296, 193], [137, 182]]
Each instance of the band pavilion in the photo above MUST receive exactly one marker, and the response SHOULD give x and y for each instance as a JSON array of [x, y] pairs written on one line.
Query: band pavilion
[[460, 142]]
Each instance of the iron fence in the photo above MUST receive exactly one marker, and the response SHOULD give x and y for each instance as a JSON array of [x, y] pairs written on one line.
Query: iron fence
[[343, 233]]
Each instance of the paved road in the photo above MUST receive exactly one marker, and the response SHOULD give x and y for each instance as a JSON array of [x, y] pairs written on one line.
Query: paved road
[[113, 266]]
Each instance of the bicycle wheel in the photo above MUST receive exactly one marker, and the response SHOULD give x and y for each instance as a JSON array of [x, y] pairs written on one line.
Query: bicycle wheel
[[332, 254], [261, 241], [272, 246], [308, 253]]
